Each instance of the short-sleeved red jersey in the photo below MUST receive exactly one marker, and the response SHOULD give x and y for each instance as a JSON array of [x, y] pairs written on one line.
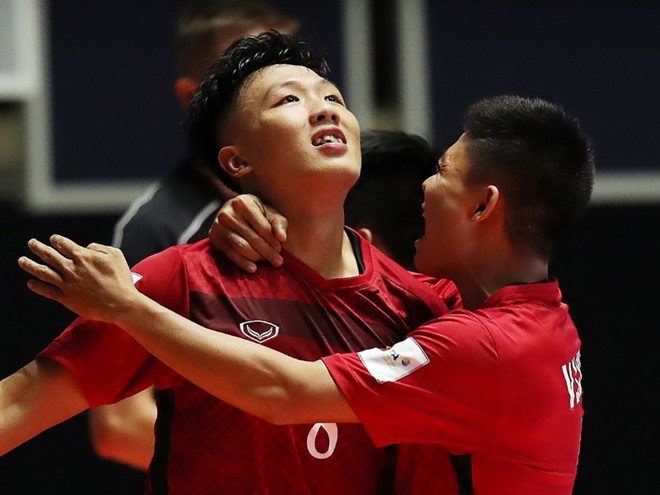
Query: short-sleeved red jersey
[[203, 445], [502, 383]]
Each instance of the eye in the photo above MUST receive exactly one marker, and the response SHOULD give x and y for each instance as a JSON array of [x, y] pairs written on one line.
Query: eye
[[288, 99], [335, 99], [440, 167]]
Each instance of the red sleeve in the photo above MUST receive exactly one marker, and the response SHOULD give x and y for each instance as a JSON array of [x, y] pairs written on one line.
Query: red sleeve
[[430, 388], [106, 362]]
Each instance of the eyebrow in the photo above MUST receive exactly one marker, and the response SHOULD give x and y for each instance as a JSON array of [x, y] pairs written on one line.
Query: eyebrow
[[296, 84]]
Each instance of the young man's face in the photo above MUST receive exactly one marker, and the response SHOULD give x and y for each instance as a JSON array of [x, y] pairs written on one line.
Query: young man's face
[[293, 128], [447, 208]]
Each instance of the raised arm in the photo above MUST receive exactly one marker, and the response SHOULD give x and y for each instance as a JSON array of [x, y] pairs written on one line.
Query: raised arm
[[95, 282], [36, 397]]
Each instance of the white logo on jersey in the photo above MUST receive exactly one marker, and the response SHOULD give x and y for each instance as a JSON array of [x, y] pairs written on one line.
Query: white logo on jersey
[[136, 277], [392, 364], [330, 430], [259, 330], [573, 376]]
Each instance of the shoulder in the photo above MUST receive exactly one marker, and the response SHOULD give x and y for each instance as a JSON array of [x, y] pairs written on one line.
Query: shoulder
[[179, 270], [459, 334], [164, 276], [176, 257]]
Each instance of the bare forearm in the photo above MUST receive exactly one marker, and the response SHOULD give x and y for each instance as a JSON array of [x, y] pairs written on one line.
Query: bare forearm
[[38, 396], [259, 380], [11, 394]]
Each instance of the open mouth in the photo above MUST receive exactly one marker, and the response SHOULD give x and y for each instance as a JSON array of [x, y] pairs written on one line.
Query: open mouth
[[328, 136], [327, 139]]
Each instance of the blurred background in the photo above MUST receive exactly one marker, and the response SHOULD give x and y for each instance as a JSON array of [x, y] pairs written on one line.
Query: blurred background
[[88, 118]]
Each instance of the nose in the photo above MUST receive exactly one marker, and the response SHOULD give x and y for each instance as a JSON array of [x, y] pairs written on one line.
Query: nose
[[324, 114]]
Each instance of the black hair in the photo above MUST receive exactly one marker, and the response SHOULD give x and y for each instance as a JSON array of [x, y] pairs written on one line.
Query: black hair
[[540, 158], [388, 196], [219, 89]]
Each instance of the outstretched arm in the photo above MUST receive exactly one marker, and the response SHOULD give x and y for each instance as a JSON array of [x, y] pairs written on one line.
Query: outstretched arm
[[95, 282], [36, 397]]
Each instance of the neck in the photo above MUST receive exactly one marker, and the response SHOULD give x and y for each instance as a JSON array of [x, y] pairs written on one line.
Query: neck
[[322, 244], [224, 190], [481, 280]]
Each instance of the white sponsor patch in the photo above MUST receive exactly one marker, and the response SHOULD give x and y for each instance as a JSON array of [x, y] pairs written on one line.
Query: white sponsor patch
[[392, 364], [136, 277]]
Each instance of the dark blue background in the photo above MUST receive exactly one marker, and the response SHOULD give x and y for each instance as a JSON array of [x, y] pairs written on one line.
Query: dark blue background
[[599, 59]]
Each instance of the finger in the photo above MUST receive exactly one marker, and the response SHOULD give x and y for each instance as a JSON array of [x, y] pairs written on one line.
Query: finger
[[230, 231], [39, 271], [111, 251], [49, 255], [244, 263], [238, 245], [254, 218], [46, 290], [220, 239], [100, 248], [66, 246], [278, 224], [251, 245], [239, 229]]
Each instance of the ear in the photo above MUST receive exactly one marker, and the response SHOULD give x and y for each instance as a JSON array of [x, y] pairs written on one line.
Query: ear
[[366, 233], [488, 200], [232, 162], [185, 87]]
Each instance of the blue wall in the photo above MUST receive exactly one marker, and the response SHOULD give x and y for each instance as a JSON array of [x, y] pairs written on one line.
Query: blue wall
[[601, 60]]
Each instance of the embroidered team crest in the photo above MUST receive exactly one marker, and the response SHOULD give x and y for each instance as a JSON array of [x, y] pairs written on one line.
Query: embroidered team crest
[[259, 330]]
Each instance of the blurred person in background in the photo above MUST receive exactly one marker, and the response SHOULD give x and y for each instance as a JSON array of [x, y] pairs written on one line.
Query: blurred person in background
[[385, 205]]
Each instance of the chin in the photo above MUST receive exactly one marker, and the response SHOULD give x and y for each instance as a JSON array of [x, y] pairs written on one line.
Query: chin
[[418, 260]]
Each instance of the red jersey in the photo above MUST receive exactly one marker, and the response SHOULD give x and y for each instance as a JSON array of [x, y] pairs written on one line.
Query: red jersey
[[502, 383], [204, 445]]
